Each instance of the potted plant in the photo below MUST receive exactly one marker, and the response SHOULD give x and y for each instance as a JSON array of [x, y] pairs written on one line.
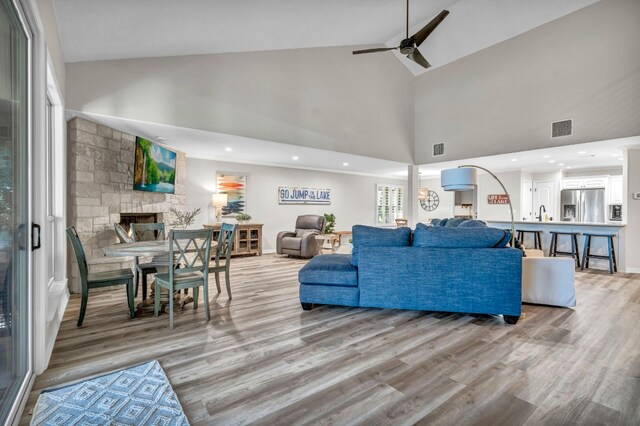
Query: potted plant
[[183, 219], [330, 225], [243, 218]]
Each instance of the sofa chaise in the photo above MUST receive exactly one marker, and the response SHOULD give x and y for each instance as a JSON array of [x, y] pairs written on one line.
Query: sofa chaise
[[464, 268]]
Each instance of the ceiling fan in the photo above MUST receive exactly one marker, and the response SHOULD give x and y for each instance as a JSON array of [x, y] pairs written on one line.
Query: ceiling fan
[[409, 46]]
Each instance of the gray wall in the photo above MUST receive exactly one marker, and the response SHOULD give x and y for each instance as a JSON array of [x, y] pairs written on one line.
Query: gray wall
[[632, 230], [585, 66], [353, 197], [323, 97]]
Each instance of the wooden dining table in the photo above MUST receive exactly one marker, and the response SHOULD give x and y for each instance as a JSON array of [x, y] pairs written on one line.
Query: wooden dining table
[[158, 250]]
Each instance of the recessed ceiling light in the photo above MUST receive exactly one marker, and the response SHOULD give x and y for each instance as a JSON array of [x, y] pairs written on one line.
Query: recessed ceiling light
[[345, 164], [513, 160], [552, 161], [295, 157], [161, 139], [582, 152], [546, 156], [560, 164], [228, 149]]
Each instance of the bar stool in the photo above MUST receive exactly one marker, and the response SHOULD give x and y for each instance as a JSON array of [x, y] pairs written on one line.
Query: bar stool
[[553, 247], [537, 238], [586, 254]]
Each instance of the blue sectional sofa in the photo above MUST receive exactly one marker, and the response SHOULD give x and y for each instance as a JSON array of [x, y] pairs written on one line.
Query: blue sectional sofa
[[463, 268]]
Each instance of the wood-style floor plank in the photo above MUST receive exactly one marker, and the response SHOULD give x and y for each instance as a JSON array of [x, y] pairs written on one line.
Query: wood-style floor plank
[[263, 360]]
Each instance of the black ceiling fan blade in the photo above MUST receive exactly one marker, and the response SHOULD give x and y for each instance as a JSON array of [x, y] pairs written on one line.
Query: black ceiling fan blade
[[421, 35], [417, 57], [380, 49]]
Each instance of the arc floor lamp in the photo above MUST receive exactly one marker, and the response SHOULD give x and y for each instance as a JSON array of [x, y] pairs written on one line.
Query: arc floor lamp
[[464, 178]]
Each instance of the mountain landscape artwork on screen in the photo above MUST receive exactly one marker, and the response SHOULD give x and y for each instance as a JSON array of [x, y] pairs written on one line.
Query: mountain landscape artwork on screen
[[155, 167]]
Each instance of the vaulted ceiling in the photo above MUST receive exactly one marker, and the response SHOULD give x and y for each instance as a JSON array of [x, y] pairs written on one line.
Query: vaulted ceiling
[[98, 30]]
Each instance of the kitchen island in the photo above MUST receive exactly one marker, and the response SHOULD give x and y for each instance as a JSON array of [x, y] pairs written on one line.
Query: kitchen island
[[598, 245]]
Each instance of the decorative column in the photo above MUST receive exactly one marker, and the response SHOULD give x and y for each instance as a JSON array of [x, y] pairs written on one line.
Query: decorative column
[[413, 188]]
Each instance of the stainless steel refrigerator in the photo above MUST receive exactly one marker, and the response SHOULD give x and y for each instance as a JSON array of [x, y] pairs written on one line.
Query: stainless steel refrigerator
[[582, 205]]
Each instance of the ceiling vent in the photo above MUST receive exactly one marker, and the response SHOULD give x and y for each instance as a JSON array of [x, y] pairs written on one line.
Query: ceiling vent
[[438, 149], [561, 128]]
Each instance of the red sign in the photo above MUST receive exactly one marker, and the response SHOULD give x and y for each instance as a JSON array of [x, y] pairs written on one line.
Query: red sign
[[498, 199]]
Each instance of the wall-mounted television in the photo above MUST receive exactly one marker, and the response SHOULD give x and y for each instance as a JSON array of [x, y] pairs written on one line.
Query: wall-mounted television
[[155, 167]]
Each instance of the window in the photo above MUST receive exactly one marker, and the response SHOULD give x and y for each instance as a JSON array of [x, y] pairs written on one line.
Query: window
[[389, 204]]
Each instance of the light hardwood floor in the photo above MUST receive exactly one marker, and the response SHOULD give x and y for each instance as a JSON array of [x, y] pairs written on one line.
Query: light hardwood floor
[[262, 359]]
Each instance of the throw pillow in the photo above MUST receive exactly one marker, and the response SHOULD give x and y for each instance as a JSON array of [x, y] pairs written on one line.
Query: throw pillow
[[479, 237], [472, 224], [379, 237], [455, 222]]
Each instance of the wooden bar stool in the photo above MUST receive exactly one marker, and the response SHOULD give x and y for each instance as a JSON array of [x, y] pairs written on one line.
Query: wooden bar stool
[[537, 237], [553, 247], [586, 253]]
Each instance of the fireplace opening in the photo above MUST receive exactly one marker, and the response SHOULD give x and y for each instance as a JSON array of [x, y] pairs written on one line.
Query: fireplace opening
[[126, 219]]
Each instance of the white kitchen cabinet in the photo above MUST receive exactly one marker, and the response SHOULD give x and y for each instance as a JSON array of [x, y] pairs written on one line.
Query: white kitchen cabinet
[[595, 182], [615, 190], [572, 183], [589, 182]]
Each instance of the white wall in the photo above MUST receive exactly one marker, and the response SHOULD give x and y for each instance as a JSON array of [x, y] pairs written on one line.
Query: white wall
[[488, 185], [52, 39], [584, 66], [447, 199], [322, 97], [353, 197]]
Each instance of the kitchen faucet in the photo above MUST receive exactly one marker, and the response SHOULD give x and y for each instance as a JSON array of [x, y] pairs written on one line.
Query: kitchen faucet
[[540, 210]]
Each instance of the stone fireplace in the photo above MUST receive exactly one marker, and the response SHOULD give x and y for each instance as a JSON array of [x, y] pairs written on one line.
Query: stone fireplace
[[100, 192]]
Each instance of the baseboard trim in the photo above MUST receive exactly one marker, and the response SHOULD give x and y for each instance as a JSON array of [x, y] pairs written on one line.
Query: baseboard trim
[[633, 270], [268, 251]]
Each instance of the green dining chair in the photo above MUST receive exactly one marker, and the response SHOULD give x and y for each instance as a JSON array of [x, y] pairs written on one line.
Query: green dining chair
[[224, 248], [189, 249], [147, 232], [98, 279], [122, 235]]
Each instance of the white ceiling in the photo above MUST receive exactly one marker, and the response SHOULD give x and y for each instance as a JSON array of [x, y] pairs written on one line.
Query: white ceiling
[[98, 30], [569, 158], [213, 146]]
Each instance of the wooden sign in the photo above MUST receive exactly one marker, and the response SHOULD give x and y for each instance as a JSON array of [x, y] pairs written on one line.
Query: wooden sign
[[294, 195], [498, 199]]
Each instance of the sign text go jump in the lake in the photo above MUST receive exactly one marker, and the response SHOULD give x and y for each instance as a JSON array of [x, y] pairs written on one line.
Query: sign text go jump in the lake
[[295, 195]]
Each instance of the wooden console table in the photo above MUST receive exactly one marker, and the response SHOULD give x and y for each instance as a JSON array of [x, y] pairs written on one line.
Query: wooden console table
[[247, 241]]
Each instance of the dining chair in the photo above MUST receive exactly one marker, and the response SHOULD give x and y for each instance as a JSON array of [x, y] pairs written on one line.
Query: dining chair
[[98, 279], [147, 232], [224, 248], [189, 249], [123, 236]]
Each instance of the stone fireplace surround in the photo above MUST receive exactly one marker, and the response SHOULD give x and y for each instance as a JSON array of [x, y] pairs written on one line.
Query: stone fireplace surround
[[100, 188]]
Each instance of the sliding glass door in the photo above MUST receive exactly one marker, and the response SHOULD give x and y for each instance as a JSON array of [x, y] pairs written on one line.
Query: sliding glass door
[[14, 207]]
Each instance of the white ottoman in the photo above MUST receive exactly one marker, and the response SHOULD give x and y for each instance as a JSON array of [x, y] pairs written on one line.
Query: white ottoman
[[549, 281]]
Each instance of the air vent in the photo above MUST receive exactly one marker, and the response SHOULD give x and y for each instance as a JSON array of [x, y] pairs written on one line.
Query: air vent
[[561, 128], [438, 149]]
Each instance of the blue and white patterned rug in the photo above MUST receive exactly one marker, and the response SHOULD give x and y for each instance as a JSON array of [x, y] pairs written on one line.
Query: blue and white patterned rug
[[140, 395]]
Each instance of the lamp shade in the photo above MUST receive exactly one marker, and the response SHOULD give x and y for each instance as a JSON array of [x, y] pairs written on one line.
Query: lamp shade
[[459, 179], [219, 200]]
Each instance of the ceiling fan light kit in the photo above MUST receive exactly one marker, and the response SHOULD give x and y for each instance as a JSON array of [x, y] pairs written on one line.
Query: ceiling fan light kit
[[409, 46]]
